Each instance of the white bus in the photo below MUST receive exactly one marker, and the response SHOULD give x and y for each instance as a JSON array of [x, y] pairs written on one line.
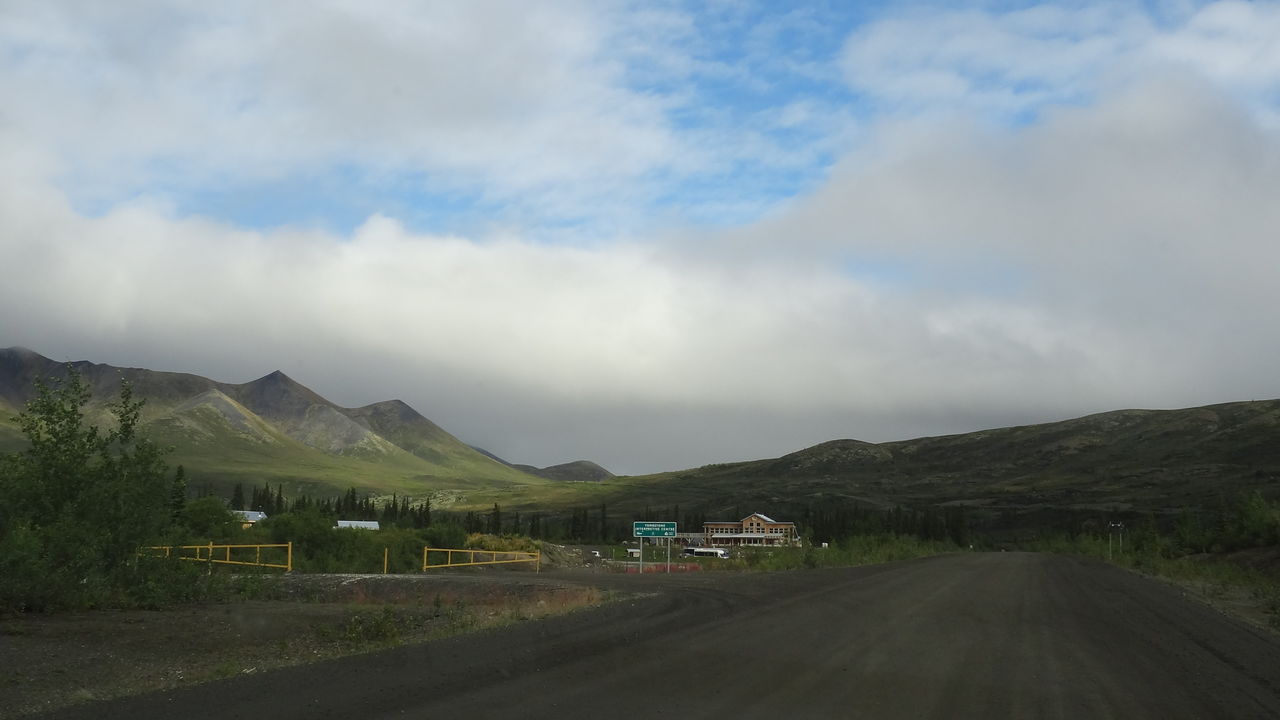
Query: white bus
[[707, 552]]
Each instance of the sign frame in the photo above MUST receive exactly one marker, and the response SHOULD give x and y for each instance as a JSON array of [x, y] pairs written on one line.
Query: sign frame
[[665, 529]]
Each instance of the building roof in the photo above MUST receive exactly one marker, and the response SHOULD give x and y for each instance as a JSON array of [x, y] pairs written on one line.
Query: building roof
[[251, 516], [762, 516]]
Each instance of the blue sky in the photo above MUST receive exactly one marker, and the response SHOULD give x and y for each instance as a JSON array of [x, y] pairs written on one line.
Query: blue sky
[[594, 229]]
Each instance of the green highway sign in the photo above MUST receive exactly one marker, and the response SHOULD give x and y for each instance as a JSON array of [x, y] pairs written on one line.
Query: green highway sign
[[653, 529]]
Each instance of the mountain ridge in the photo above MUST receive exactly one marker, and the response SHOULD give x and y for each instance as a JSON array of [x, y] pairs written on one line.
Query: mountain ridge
[[275, 429], [1121, 461]]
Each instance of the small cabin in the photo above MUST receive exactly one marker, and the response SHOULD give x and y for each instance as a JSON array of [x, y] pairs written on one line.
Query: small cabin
[[248, 518]]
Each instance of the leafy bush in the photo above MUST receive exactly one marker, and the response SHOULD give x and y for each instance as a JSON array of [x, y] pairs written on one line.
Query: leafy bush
[[513, 543], [318, 546], [208, 518], [78, 504], [445, 535]]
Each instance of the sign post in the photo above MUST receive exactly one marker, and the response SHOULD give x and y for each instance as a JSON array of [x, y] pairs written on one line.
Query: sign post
[[643, 530]]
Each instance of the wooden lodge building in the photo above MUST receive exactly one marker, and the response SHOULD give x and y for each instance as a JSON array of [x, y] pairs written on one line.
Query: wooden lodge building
[[755, 529]]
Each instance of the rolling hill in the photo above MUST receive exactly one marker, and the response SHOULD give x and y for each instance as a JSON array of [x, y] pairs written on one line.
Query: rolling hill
[[275, 430], [1126, 462], [576, 471]]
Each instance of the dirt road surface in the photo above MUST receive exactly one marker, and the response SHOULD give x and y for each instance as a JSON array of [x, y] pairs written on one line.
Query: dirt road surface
[[995, 635]]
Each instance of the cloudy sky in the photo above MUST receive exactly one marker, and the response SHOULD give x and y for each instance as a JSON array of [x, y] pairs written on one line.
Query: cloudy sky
[[654, 235]]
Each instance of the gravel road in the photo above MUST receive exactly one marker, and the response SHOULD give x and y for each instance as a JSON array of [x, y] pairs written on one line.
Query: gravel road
[[981, 635]]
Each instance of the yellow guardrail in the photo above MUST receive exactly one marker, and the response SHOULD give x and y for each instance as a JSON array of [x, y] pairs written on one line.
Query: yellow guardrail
[[209, 553], [509, 556]]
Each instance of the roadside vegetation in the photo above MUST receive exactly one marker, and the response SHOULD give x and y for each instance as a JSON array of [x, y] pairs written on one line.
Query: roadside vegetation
[[1231, 556], [83, 502], [78, 503]]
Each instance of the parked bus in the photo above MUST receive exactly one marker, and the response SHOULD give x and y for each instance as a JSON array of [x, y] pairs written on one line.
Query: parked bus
[[707, 552]]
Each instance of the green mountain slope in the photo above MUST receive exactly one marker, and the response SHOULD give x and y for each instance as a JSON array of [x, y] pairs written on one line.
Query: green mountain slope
[[275, 430], [278, 431], [1125, 461]]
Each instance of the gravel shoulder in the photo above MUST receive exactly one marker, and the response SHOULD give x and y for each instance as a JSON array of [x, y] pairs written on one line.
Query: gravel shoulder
[[52, 661]]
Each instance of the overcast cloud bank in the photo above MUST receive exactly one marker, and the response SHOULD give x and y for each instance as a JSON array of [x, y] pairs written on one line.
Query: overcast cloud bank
[[1054, 211]]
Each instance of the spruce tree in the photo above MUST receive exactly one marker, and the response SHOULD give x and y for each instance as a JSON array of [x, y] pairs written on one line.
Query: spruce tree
[[178, 492]]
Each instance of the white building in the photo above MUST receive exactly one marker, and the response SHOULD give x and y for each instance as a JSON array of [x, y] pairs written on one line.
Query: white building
[[360, 524]]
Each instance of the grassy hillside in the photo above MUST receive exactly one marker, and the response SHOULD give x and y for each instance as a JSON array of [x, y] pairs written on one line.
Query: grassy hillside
[[1129, 461], [275, 430]]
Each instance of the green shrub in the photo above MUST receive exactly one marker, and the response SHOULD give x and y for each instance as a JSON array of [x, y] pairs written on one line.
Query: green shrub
[[79, 502], [513, 543], [208, 518]]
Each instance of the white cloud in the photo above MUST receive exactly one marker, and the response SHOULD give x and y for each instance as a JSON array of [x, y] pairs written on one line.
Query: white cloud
[[1002, 64], [512, 97], [996, 64], [1117, 250], [1233, 44], [1136, 240]]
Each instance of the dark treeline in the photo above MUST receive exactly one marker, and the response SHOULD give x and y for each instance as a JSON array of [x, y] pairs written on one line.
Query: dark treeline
[[1249, 521], [836, 522], [398, 511], [826, 523], [579, 525]]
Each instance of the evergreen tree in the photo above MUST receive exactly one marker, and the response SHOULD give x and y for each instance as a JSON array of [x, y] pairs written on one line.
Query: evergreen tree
[[237, 497], [262, 499], [178, 492]]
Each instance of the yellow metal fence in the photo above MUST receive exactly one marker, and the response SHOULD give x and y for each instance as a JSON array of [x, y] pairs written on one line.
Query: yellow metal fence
[[454, 558], [231, 554]]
